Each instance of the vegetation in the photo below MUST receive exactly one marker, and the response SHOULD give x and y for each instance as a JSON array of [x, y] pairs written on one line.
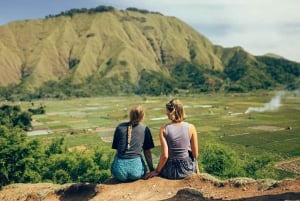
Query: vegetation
[[148, 69], [283, 72], [74, 151], [74, 11], [25, 160], [221, 161], [139, 57], [98, 9], [13, 117], [185, 77]]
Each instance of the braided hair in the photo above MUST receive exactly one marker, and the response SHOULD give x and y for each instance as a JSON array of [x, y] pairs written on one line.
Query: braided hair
[[136, 115]]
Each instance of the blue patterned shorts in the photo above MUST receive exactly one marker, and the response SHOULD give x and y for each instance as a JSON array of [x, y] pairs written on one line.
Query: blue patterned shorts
[[128, 169]]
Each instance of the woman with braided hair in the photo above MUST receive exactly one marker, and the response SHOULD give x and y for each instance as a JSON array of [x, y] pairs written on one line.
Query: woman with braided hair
[[179, 145], [130, 140]]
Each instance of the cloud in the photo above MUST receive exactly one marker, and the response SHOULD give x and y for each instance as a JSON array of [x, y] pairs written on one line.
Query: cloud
[[259, 26]]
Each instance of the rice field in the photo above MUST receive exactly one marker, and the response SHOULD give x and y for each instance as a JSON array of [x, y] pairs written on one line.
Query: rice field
[[218, 118]]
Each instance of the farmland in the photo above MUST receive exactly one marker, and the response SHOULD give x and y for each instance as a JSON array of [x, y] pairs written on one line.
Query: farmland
[[219, 118]]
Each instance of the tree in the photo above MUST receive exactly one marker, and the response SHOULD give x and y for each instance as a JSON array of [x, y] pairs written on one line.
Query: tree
[[154, 83], [12, 116], [23, 120], [26, 161], [56, 147], [18, 157]]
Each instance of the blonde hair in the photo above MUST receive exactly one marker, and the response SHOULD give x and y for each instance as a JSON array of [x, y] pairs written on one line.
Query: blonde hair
[[175, 107], [136, 115]]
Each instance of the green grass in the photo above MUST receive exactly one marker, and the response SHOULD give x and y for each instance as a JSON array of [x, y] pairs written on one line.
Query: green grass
[[88, 140], [217, 117]]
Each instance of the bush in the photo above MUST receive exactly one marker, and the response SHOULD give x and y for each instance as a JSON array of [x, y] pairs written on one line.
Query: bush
[[261, 166], [61, 176], [18, 157], [220, 161]]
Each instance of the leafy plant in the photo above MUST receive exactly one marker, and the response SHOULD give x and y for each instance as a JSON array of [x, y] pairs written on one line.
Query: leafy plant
[[220, 161]]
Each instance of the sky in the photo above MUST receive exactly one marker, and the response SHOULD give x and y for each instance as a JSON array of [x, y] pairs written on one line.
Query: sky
[[258, 26]]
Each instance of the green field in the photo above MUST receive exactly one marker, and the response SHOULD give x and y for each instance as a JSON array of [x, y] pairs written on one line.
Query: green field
[[218, 118]]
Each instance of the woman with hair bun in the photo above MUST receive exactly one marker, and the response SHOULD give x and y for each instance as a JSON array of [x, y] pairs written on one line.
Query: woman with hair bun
[[130, 140], [179, 145]]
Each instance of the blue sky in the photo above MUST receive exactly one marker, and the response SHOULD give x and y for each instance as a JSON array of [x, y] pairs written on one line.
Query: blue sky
[[259, 26]]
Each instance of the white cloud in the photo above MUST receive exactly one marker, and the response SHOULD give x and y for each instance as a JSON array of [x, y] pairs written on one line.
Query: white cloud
[[259, 26]]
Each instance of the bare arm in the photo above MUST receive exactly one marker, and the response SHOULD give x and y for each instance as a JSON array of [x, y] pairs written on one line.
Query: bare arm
[[148, 157], [194, 140], [164, 150], [194, 144], [163, 155]]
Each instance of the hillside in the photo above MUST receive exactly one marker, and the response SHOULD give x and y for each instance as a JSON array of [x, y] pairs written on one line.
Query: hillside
[[124, 40], [197, 187], [128, 51]]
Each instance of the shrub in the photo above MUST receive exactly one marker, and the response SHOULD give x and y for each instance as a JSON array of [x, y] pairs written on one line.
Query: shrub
[[220, 161]]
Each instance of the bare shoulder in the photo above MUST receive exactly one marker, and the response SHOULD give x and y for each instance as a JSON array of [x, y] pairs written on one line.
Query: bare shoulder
[[191, 126], [163, 128], [192, 130]]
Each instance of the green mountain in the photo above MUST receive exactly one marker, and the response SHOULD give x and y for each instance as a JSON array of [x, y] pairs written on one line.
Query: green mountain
[[86, 52]]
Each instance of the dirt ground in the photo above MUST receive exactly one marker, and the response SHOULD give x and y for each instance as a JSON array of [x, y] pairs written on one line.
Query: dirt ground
[[201, 187], [292, 165]]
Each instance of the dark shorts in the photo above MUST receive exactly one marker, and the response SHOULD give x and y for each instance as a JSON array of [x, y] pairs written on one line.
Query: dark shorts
[[178, 168]]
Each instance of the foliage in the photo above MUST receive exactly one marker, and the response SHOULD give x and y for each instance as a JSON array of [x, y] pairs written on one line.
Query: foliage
[[141, 10], [18, 157], [72, 12], [240, 75], [73, 63], [56, 147], [220, 161], [282, 71], [12, 116], [39, 110], [114, 69], [78, 167], [27, 161], [188, 76], [247, 74], [98, 9], [261, 166], [223, 162], [153, 83]]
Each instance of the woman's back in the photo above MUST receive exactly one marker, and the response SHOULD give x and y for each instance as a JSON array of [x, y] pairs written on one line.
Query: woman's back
[[177, 136], [179, 145]]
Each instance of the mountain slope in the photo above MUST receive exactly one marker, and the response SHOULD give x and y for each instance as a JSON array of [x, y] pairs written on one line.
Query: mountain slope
[[106, 50], [132, 41]]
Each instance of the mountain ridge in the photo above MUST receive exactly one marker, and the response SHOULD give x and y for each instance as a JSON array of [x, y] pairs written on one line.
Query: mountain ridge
[[115, 46]]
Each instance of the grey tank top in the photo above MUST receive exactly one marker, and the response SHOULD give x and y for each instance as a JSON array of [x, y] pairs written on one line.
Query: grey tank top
[[178, 139]]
